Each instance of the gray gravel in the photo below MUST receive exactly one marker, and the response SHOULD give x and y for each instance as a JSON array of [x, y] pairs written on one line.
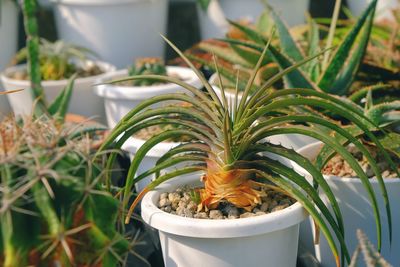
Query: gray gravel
[[181, 203]]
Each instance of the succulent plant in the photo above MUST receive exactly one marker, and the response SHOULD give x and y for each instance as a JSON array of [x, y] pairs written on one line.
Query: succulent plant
[[53, 207], [58, 108], [228, 145], [60, 60], [147, 66], [334, 74]]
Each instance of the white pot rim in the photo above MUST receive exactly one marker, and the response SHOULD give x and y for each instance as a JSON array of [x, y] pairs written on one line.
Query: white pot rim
[[353, 180], [98, 2], [144, 92], [105, 67], [133, 144], [207, 228]]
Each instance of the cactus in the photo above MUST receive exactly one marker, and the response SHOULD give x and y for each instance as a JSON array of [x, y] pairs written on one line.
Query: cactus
[[371, 257], [147, 66], [53, 208]]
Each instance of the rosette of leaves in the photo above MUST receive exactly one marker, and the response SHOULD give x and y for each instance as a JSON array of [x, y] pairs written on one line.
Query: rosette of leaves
[[53, 208], [229, 147], [334, 74]]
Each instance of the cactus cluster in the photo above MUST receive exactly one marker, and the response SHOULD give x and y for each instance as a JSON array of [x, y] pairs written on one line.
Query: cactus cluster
[[147, 66], [51, 191]]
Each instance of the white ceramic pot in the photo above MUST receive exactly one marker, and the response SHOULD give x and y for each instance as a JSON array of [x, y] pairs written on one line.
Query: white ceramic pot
[[294, 141], [268, 240], [119, 100], [83, 102], [8, 32], [8, 40], [357, 213], [114, 28], [382, 10], [133, 144], [213, 23]]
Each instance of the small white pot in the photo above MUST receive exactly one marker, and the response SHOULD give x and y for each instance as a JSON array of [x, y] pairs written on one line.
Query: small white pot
[[357, 212], [119, 100], [382, 9], [83, 102], [294, 141], [213, 23], [118, 30], [267, 240], [133, 144]]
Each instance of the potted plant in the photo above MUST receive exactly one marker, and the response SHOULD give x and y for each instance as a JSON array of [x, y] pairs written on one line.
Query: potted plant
[[213, 13], [228, 157], [103, 26], [335, 74], [54, 209], [59, 61], [348, 188], [121, 96]]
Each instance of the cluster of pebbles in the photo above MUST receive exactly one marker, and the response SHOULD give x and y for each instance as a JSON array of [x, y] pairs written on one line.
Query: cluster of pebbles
[[339, 167], [180, 202]]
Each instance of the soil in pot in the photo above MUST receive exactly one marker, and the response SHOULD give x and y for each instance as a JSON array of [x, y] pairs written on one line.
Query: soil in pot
[[339, 167], [184, 202], [81, 71]]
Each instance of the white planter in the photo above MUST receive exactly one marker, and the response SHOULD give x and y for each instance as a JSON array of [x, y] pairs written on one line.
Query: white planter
[[119, 100], [8, 32], [358, 214], [118, 30], [382, 10], [8, 40], [213, 23], [268, 240], [83, 102], [133, 144]]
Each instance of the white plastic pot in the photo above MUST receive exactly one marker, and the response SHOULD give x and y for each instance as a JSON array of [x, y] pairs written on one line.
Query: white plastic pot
[[118, 30], [8, 32], [358, 214], [294, 141], [119, 100], [8, 40], [268, 240], [133, 144], [83, 102], [213, 23], [382, 10]]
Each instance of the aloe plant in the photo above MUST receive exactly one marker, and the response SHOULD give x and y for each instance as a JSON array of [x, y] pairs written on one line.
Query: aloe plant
[[228, 142], [53, 208], [334, 74]]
